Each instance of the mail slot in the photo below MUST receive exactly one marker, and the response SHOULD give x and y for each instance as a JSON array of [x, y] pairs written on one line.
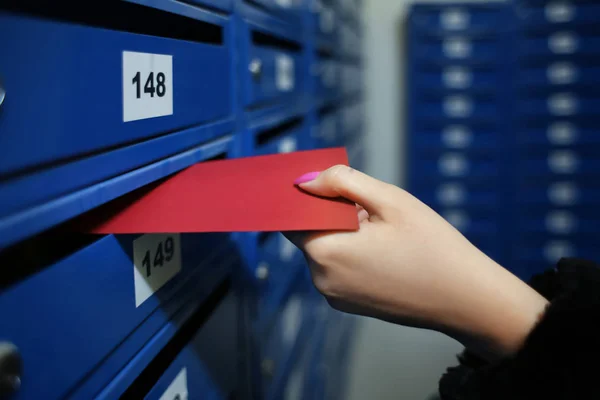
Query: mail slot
[[88, 294], [80, 87], [286, 137], [206, 367]]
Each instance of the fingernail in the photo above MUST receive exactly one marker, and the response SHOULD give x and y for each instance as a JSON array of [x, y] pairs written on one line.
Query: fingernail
[[310, 176]]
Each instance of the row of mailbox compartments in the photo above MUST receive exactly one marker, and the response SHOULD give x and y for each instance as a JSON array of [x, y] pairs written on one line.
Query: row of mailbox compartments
[[444, 19], [558, 222], [566, 194], [489, 50], [466, 105], [489, 138], [48, 196], [143, 86], [459, 18], [205, 363], [547, 76], [562, 163], [152, 278]]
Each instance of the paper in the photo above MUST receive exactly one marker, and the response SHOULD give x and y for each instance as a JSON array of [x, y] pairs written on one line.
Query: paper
[[237, 195]]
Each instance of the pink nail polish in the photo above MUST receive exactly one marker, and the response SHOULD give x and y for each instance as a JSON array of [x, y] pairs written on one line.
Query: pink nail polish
[[310, 176]]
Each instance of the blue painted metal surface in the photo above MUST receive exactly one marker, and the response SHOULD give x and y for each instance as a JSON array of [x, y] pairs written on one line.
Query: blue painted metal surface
[[209, 360], [45, 118], [85, 306], [71, 151], [60, 206]]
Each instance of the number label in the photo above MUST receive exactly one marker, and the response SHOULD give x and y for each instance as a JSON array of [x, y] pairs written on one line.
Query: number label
[[147, 85], [156, 260], [284, 73], [178, 389]]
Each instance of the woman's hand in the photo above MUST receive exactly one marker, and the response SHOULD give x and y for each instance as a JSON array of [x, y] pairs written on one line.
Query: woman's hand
[[407, 265]]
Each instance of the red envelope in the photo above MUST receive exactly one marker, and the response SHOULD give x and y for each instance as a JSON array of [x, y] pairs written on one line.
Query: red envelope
[[246, 194]]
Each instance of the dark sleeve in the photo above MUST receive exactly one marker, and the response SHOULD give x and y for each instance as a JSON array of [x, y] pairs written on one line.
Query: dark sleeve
[[560, 358]]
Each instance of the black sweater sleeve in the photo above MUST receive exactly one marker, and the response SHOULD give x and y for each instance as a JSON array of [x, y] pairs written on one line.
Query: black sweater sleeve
[[561, 356]]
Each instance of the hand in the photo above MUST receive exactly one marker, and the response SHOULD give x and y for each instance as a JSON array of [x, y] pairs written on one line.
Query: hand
[[407, 265]]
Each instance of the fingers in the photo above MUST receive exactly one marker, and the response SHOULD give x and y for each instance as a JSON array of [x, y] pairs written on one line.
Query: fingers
[[346, 182]]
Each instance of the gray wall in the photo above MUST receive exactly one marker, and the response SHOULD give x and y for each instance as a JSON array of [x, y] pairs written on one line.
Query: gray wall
[[388, 361]]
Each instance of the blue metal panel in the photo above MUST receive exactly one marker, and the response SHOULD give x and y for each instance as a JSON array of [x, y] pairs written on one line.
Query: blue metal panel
[[457, 107], [451, 78], [280, 351], [76, 307], [267, 23], [456, 137], [559, 193], [138, 351], [559, 104], [558, 15], [458, 194], [209, 360], [559, 222], [561, 162], [457, 18], [326, 21], [565, 76], [562, 45], [454, 164], [189, 10], [56, 210], [457, 48], [88, 65], [280, 76]]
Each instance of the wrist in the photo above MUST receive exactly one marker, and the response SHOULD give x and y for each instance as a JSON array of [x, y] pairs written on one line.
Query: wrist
[[494, 312]]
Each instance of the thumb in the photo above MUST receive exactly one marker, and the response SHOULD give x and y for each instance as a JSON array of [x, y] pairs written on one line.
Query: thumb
[[346, 182]]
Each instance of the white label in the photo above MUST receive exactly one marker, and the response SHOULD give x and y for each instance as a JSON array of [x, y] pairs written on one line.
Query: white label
[[562, 133], [147, 85], [457, 48], [458, 106], [457, 77], [453, 165], [562, 104], [156, 260], [456, 136], [327, 20], [563, 43], [284, 73], [561, 222], [563, 162], [178, 389], [557, 249], [291, 319], [563, 193], [454, 19], [286, 249], [284, 3], [287, 145], [451, 194], [458, 219], [559, 11], [562, 73]]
